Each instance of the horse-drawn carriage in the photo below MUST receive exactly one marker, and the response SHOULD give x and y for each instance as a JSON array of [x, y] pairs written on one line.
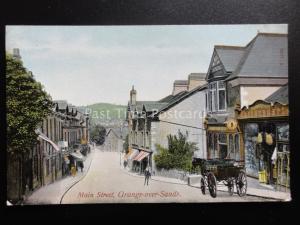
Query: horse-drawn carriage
[[228, 171]]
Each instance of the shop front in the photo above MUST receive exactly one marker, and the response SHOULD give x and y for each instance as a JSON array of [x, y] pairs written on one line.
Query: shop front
[[224, 141], [141, 161], [266, 141]]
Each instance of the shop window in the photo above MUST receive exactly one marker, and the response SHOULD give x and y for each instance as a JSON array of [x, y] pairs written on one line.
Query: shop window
[[223, 151], [215, 145], [237, 146], [222, 138], [223, 145], [231, 146], [283, 132]]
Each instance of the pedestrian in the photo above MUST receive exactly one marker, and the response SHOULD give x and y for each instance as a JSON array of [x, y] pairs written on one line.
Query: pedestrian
[[81, 165], [147, 175], [73, 170]]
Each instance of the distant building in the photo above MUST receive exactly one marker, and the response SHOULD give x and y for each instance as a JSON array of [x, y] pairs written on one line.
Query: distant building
[[179, 86], [114, 140], [196, 80], [150, 122]]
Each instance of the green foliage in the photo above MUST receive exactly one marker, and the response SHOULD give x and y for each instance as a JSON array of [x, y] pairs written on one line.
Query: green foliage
[[97, 134], [178, 155], [26, 106]]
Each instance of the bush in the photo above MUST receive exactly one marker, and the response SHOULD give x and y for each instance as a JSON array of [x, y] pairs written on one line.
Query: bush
[[178, 155]]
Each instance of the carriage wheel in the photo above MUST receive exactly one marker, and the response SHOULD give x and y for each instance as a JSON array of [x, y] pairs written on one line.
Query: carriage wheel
[[212, 184], [230, 186], [241, 184], [202, 182]]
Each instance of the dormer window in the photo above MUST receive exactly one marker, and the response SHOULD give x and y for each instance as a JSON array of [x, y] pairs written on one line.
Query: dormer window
[[216, 97]]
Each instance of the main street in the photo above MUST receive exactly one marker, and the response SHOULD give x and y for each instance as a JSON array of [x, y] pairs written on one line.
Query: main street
[[107, 182]]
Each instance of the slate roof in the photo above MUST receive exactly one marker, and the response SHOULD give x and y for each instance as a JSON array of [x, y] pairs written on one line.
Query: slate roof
[[171, 98], [280, 96], [117, 132], [150, 106], [72, 107], [180, 97], [265, 56], [62, 104], [230, 56]]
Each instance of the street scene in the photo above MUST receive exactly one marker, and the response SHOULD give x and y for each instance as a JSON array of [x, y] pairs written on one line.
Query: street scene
[[106, 182], [140, 114]]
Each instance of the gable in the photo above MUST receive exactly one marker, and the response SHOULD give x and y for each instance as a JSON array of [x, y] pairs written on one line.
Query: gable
[[216, 67]]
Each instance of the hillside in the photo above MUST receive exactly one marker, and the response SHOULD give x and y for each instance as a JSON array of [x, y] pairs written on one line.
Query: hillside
[[105, 112]]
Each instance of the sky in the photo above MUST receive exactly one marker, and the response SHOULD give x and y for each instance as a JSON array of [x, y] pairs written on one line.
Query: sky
[[90, 64]]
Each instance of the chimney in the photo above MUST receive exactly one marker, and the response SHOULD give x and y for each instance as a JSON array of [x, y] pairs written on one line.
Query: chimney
[[133, 96], [16, 53], [196, 80], [179, 86]]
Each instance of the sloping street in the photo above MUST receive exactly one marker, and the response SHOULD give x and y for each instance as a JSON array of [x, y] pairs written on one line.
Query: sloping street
[[106, 182]]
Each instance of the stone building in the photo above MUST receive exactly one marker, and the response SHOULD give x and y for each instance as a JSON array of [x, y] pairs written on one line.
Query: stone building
[[150, 122], [44, 162], [139, 131], [237, 77]]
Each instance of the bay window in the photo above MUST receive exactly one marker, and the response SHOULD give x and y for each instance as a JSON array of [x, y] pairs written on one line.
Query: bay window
[[216, 97]]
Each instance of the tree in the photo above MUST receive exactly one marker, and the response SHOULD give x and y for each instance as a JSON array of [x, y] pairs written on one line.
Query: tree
[[98, 133], [27, 104], [178, 155]]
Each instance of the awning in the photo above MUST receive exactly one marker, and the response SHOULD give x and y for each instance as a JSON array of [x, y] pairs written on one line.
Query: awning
[[141, 156], [134, 153], [44, 137], [78, 156]]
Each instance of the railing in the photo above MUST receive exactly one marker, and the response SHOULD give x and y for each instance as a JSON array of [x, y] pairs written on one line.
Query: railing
[[173, 173]]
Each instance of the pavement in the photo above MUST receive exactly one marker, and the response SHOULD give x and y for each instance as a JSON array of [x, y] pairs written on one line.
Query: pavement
[[254, 187], [106, 181], [52, 193]]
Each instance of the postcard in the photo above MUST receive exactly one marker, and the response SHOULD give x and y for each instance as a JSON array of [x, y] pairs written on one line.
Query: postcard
[[147, 114]]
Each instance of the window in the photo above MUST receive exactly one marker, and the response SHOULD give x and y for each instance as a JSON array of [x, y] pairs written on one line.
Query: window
[[147, 140], [237, 146], [47, 167], [223, 145], [216, 99], [231, 146], [221, 99], [215, 145]]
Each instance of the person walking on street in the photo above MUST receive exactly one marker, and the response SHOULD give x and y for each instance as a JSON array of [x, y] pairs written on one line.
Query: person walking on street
[[81, 165], [147, 175]]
